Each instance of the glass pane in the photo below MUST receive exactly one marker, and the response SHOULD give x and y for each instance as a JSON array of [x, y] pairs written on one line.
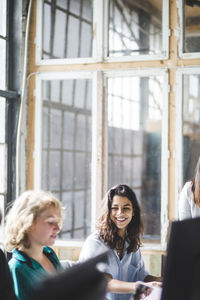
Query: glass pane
[[2, 119], [134, 142], [191, 124], [61, 3], [66, 150], [67, 29], [3, 17], [59, 34], [2, 63], [2, 200], [192, 26], [135, 28], [2, 168]]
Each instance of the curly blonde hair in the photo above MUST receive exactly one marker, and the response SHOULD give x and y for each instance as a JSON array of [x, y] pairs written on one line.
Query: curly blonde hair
[[24, 213]]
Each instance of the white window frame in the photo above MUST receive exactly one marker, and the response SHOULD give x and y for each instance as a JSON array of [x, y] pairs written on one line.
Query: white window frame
[[97, 120], [97, 54], [100, 38], [180, 31], [179, 130], [99, 139], [150, 57], [164, 147]]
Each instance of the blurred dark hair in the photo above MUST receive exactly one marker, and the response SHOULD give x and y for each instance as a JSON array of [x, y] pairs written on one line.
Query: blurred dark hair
[[196, 185], [109, 231]]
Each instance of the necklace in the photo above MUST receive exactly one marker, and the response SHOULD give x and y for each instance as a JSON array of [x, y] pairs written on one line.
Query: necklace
[[119, 252], [119, 249]]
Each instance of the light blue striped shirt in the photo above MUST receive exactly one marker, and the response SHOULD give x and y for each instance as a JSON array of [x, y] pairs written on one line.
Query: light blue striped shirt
[[130, 268]]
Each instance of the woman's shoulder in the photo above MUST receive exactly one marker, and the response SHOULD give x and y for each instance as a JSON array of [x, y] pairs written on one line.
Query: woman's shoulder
[[186, 190], [94, 236], [92, 246], [17, 258], [48, 250], [187, 185], [93, 240], [17, 264]]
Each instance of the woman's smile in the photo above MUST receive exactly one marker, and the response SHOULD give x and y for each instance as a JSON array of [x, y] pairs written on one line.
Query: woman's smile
[[121, 219], [121, 212]]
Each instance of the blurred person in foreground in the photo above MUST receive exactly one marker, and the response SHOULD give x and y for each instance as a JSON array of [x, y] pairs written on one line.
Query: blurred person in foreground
[[189, 200], [6, 282]]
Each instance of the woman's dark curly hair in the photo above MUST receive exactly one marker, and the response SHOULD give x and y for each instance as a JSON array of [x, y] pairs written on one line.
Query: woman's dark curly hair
[[107, 228]]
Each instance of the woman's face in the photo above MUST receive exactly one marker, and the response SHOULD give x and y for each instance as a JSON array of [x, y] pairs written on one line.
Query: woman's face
[[44, 231], [121, 213]]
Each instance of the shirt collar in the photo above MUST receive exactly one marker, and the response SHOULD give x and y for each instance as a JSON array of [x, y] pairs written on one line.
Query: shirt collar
[[23, 257]]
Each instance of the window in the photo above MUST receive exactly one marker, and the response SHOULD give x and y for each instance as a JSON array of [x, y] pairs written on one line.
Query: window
[[189, 16], [137, 106], [127, 30], [64, 121], [56, 20], [104, 121], [60, 18], [137, 29], [137, 131], [188, 124]]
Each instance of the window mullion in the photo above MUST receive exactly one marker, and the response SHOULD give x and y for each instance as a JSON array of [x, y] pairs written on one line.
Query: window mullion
[[98, 140]]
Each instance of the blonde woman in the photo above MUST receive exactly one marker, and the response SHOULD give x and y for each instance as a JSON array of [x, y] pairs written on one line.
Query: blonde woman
[[32, 225]]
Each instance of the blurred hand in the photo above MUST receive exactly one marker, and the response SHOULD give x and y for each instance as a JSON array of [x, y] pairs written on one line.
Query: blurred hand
[[155, 283]]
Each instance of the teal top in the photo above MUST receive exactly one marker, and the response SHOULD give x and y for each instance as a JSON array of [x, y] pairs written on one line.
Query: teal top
[[26, 272]]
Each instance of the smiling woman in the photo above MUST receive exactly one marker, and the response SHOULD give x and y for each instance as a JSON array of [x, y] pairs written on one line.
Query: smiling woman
[[121, 213], [120, 229], [32, 225]]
